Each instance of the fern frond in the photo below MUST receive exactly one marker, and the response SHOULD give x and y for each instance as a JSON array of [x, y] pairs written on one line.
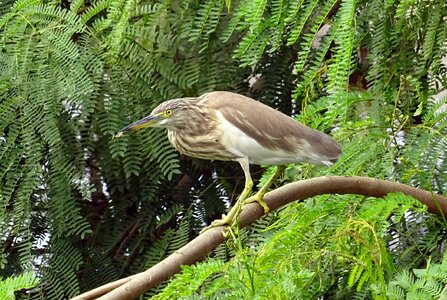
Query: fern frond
[[21, 282], [340, 68], [206, 20], [195, 275]]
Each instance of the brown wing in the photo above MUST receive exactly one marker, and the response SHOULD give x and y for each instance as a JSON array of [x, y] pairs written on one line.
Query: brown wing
[[271, 128]]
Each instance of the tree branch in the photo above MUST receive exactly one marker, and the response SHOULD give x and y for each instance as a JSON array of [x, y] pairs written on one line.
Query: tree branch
[[200, 247]]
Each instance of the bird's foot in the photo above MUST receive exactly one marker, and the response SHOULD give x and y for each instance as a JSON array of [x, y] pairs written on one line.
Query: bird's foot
[[229, 220], [258, 198], [226, 220], [260, 194]]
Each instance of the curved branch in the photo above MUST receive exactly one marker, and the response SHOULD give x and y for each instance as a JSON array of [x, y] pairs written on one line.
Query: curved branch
[[200, 247]]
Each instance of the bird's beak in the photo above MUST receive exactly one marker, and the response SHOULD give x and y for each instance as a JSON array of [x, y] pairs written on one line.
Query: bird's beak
[[149, 121]]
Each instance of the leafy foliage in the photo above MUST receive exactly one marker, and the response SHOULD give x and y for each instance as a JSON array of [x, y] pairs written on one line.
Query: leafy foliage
[[76, 202], [334, 246], [196, 276], [11, 284], [428, 283]]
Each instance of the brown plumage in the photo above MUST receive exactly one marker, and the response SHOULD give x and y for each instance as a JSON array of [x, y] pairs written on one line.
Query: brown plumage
[[271, 128], [229, 126]]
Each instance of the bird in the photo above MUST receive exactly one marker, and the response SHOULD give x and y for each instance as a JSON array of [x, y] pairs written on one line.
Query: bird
[[227, 126]]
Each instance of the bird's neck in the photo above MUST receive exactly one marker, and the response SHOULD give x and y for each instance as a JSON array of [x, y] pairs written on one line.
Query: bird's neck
[[196, 124]]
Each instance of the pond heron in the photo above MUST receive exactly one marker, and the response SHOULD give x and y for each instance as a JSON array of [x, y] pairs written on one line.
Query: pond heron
[[231, 127]]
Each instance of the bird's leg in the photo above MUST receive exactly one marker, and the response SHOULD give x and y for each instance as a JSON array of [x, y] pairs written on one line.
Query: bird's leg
[[260, 194], [230, 218]]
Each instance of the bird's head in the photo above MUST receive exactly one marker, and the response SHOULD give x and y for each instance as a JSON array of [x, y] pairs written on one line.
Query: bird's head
[[169, 114]]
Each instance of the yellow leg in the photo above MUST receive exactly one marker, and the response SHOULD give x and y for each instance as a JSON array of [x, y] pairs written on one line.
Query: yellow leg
[[260, 194], [231, 217]]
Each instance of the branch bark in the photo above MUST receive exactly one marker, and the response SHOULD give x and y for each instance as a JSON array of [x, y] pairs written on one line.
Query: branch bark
[[200, 247]]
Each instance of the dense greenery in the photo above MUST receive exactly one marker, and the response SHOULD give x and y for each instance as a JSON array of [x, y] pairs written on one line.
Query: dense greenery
[[80, 208]]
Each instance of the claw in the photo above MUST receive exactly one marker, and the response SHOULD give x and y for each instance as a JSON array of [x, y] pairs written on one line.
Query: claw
[[258, 198], [225, 221]]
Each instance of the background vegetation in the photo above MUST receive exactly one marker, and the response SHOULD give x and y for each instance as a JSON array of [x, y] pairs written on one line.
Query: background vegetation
[[79, 208]]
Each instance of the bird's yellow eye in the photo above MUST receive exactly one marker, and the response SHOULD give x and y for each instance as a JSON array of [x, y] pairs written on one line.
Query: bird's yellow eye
[[168, 113]]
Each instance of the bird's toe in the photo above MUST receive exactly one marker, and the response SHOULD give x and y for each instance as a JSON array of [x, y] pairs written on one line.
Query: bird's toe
[[258, 198]]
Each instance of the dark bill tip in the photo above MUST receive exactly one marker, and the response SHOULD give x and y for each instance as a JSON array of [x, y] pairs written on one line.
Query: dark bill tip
[[143, 123]]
